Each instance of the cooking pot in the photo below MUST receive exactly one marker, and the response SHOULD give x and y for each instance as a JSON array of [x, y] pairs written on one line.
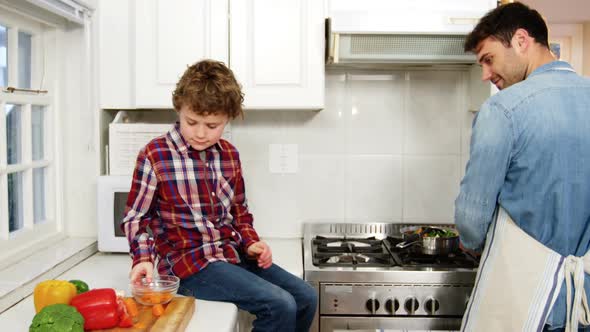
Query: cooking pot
[[429, 245]]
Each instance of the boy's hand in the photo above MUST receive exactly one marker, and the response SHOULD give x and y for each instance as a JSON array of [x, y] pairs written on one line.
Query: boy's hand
[[262, 252], [143, 269]]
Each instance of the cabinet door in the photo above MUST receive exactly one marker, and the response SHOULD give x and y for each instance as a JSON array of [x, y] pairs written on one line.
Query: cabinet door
[[277, 52], [169, 36], [115, 65], [416, 16]]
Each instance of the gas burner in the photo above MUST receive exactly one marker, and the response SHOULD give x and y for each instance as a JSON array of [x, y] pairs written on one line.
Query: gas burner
[[347, 258], [348, 245], [412, 257], [352, 259]]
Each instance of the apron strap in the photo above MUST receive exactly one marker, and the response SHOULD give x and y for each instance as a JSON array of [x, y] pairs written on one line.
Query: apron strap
[[574, 268]]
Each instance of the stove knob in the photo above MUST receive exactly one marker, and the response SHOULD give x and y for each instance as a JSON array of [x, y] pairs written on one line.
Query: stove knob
[[411, 305], [372, 305], [431, 306], [391, 306]]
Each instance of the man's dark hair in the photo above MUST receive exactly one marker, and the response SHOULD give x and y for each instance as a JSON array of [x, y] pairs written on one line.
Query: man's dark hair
[[502, 22]]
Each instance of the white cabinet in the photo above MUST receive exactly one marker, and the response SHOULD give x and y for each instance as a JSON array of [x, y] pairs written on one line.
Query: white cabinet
[[169, 36], [277, 49], [145, 46], [115, 64], [277, 52], [416, 16]]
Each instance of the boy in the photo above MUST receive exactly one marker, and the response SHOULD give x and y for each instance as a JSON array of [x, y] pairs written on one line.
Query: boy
[[188, 189]]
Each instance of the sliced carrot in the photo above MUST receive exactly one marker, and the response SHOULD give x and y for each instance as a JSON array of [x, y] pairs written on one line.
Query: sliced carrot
[[157, 310], [131, 306]]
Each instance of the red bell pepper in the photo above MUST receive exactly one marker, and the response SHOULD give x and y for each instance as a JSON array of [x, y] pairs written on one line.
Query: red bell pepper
[[98, 307], [125, 319]]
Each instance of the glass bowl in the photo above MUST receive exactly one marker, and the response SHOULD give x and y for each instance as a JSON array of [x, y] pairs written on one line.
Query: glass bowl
[[159, 291]]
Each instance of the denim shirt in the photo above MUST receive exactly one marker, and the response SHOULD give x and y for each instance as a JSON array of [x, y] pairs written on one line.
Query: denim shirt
[[530, 153]]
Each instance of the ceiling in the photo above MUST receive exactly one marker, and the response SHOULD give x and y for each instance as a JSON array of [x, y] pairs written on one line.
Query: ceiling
[[563, 11]]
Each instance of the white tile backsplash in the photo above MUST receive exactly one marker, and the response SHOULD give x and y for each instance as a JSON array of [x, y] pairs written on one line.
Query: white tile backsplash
[[390, 146], [271, 198], [431, 184], [433, 114], [320, 188], [374, 188], [375, 114]]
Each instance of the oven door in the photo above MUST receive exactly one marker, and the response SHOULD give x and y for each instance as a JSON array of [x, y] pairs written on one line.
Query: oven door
[[389, 324]]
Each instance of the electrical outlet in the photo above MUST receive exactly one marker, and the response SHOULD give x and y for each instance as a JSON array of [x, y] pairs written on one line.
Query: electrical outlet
[[283, 158]]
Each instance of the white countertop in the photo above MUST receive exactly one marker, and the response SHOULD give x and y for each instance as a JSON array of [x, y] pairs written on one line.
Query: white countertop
[[104, 270], [112, 271]]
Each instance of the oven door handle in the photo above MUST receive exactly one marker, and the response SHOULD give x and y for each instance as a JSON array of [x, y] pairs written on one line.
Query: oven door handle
[[343, 323]]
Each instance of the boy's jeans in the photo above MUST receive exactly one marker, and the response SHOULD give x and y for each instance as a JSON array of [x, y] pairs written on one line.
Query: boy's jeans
[[280, 300]]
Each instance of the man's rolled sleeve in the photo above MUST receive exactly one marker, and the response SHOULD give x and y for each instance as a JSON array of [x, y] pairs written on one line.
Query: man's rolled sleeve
[[491, 148]]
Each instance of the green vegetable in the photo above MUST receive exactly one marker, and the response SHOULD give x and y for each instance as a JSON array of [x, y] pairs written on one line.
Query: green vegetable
[[436, 232], [57, 318], [81, 286]]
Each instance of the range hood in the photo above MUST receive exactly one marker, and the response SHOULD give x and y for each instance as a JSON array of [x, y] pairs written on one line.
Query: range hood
[[350, 48], [344, 48]]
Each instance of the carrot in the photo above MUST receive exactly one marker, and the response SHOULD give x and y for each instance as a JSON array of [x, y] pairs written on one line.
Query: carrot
[[131, 306], [157, 310]]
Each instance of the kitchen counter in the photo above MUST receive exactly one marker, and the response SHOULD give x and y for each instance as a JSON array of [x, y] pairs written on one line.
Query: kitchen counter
[[111, 270]]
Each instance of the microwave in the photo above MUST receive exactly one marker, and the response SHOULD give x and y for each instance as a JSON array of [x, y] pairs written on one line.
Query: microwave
[[112, 194]]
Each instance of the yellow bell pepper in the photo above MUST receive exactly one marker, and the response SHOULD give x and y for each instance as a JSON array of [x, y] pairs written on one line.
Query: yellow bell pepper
[[53, 291]]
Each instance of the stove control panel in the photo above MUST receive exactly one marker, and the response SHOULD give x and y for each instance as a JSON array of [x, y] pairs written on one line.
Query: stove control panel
[[393, 299]]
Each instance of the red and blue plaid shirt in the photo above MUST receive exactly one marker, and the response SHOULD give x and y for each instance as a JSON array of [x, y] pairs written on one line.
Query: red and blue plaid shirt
[[193, 203]]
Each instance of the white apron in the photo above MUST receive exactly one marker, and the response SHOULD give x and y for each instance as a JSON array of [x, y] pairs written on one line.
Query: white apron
[[518, 282]]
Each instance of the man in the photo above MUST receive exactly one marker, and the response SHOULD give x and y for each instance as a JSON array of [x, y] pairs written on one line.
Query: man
[[530, 146]]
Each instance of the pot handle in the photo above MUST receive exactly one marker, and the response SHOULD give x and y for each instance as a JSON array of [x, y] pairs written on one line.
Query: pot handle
[[409, 240]]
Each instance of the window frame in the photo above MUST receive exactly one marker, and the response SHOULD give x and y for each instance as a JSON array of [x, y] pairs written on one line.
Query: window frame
[[31, 232]]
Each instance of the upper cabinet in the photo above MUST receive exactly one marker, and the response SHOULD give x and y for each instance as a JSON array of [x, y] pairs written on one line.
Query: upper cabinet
[[277, 49], [277, 52], [171, 35], [416, 16], [145, 46]]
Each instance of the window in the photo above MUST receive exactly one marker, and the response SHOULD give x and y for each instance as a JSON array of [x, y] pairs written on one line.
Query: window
[[27, 167]]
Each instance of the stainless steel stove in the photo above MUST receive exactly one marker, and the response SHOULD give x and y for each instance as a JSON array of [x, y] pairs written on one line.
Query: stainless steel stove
[[364, 282]]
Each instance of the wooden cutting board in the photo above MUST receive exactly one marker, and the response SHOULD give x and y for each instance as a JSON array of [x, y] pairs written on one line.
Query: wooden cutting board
[[175, 318]]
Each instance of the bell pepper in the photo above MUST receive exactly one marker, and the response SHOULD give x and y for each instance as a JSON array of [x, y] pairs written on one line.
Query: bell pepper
[[125, 319], [81, 286], [51, 292], [98, 307]]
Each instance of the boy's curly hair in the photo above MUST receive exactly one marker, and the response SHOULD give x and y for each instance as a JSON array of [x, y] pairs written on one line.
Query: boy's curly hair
[[209, 87]]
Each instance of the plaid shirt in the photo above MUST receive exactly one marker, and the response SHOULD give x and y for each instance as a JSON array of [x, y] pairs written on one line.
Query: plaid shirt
[[195, 209]]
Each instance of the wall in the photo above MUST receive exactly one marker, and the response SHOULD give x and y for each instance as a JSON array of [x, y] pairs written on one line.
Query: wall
[[390, 146], [78, 120]]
